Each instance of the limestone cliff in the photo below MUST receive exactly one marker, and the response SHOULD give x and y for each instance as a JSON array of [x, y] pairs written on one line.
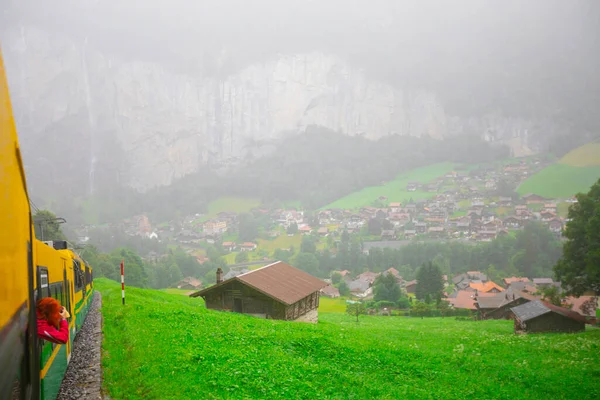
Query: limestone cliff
[[167, 124]]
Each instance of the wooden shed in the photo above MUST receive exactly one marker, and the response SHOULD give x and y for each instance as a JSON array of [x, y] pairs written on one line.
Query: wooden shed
[[539, 316], [276, 291]]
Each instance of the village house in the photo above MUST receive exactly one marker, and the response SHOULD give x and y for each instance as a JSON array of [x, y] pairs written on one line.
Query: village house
[[534, 199], [248, 246], [323, 231], [543, 282], [555, 225], [584, 305], [513, 279], [538, 316], [420, 227], [214, 227], [513, 298], [437, 232], [410, 286], [485, 287], [412, 186], [462, 299], [276, 291], [512, 222], [229, 246], [395, 207], [330, 291], [189, 283]]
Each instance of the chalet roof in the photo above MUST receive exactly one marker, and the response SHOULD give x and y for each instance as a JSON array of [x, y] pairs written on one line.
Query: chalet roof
[[279, 281], [513, 279], [542, 281], [330, 290], [359, 285], [576, 302], [486, 287], [490, 301], [464, 299], [534, 309]]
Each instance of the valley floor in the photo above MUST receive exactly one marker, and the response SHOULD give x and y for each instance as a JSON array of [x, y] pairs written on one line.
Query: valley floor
[[167, 346]]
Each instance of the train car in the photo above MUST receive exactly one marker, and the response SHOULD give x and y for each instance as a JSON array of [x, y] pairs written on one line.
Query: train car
[[18, 350], [54, 278], [32, 368], [83, 287]]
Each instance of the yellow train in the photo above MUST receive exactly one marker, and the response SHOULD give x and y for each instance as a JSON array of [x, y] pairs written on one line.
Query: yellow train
[[29, 270]]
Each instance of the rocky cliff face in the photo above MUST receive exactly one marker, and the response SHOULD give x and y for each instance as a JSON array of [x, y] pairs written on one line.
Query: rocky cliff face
[[147, 125]]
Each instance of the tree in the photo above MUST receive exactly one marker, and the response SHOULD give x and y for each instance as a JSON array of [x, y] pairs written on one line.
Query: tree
[[343, 288], [166, 274], [374, 226], [292, 228], [429, 282], [308, 245], [444, 307], [386, 288], [47, 226], [282, 255], [579, 267], [336, 277], [241, 257], [419, 309], [355, 308], [552, 295], [307, 262], [135, 272], [247, 228]]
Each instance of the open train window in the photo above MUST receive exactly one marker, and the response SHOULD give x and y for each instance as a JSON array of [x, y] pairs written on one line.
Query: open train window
[[43, 283], [79, 279]]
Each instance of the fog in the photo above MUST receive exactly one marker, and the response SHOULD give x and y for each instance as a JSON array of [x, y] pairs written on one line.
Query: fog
[[141, 94]]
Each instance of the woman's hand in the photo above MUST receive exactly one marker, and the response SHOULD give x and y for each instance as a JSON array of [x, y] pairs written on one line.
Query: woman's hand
[[64, 313]]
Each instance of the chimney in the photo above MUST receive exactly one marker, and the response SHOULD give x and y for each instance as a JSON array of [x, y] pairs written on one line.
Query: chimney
[[219, 275]]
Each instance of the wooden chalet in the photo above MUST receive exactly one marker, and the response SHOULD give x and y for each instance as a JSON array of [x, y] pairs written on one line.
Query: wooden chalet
[[540, 316], [504, 302], [276, 291]]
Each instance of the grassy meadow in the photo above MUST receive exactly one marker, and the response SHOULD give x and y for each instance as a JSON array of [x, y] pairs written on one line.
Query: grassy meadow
[[560, 181], [575, 172], [585, 156], [394, 190], [231, 204], [165, 346]]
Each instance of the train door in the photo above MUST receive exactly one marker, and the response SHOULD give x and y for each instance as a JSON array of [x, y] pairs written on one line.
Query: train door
[[66, 302]]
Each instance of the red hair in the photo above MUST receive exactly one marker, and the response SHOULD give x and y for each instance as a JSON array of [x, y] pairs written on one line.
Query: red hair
[[49, 309]]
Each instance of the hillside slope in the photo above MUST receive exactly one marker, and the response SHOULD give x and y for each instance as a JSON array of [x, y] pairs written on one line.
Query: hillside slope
[[576, 172], [162, 346], [394, 190]]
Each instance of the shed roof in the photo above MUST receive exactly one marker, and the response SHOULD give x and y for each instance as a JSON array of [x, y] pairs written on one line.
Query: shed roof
[[534, 309], [279, 281]]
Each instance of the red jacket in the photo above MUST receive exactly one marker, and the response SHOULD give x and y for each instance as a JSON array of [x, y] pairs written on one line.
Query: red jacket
[[51, 334]]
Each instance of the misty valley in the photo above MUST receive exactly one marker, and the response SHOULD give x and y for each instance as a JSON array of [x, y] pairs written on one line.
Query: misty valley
[[301, 199]]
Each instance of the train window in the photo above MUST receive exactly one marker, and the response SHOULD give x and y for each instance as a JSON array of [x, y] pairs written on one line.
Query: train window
[[78, 275], [43, 286]]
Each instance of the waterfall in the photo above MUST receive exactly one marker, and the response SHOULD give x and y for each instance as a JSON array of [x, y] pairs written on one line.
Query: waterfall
[[91, 122]]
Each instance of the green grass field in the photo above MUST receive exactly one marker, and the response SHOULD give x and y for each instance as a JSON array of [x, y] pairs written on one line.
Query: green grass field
[[282, 241], [232, 204], [560, 181], [176, 291], [394, 190], [328, 305], [584, 156], [163, 346]]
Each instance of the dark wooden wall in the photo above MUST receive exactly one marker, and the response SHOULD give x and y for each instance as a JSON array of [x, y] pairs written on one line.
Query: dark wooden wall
[[254, 302], [553, 322]]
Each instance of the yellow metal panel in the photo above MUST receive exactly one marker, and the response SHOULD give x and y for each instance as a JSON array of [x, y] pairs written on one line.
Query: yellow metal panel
[[14, 212]]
